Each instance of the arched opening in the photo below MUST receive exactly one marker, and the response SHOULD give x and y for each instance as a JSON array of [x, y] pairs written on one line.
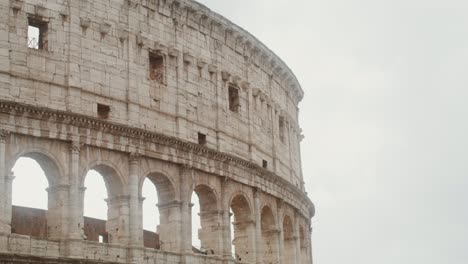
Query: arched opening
[[206, 219], [269, 236], [167, 210], [104, 206], [289, 241], [95, 208], [243, 226], [196, 225], [303, 244], [150, 214], [36, 200]]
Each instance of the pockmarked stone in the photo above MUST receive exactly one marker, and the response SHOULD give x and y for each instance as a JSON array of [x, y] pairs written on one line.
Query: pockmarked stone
[[165, 90]]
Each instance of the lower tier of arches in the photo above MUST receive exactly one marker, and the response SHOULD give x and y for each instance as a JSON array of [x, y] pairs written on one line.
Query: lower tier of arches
[[264, 219]]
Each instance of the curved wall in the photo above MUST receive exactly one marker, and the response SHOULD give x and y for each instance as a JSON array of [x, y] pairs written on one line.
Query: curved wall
[[99, 53], [159, 89]]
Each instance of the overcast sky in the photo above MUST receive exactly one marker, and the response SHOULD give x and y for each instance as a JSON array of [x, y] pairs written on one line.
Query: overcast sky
[[385, 120]]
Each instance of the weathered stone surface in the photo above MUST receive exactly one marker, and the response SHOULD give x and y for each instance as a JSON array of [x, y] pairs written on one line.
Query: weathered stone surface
[[157, 89]]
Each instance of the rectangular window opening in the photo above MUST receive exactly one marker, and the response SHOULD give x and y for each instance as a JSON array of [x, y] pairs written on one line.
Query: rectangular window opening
[[103, 111], [234, 103], [156, 67], [265, 164], [201, 139], [37, 34]]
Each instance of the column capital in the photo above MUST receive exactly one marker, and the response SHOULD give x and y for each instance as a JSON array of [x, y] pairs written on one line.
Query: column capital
[[59, 187], [117, 200], [170, 204], [211, 213], [135, 157], [4, 135], [257, 192], [279, 203], [225, 181], [185, 166], [75, 147]]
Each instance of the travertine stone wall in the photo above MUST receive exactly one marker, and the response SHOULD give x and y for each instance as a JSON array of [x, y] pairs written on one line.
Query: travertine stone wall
[[140, 89]]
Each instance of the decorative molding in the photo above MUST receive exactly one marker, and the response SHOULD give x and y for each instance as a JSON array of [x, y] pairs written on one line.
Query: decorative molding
[[84, 121], [4, 135], [75, 147], [134, 157]]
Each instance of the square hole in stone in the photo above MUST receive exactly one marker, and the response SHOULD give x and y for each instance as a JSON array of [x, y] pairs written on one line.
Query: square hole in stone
[[103, 111], [201, 139]]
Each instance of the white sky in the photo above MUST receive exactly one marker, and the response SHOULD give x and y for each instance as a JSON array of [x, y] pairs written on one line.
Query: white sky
[[385, 118], [385, 121]]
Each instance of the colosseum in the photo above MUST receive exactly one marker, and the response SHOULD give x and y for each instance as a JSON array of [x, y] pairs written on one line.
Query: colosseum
[[165, 90]]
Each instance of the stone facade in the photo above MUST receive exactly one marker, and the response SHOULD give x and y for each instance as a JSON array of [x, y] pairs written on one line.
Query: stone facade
[[160, 89]]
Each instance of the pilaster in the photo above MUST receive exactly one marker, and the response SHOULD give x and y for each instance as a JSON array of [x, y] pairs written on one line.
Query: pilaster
[[5, 228], [75, 217], [226, 221], [134, 203], [170, 227], [258, 226], [186, 176], [280, 236], [297, 239], [117, 224]]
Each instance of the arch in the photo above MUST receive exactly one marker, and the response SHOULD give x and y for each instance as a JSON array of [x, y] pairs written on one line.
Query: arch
[[244, 228], [289, 241], [51, 225], [163, 184], [267, 219], [241, 207], [111, 175], [288, 228], [303, 244], [209, 234], [51, 166], [167, 209], [115, 228], [269, 236], [207, 196]]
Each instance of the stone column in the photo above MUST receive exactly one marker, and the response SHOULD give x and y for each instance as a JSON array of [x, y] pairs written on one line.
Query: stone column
[[258, 227], [118, 219], [5, 227], [280, 228], [135, 232], [211, 232], [57, 213], [226, 222], [8, 208], [297, 239], [186, 175], [75, 217], [135, 242], [169, 228], [244, 241]]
